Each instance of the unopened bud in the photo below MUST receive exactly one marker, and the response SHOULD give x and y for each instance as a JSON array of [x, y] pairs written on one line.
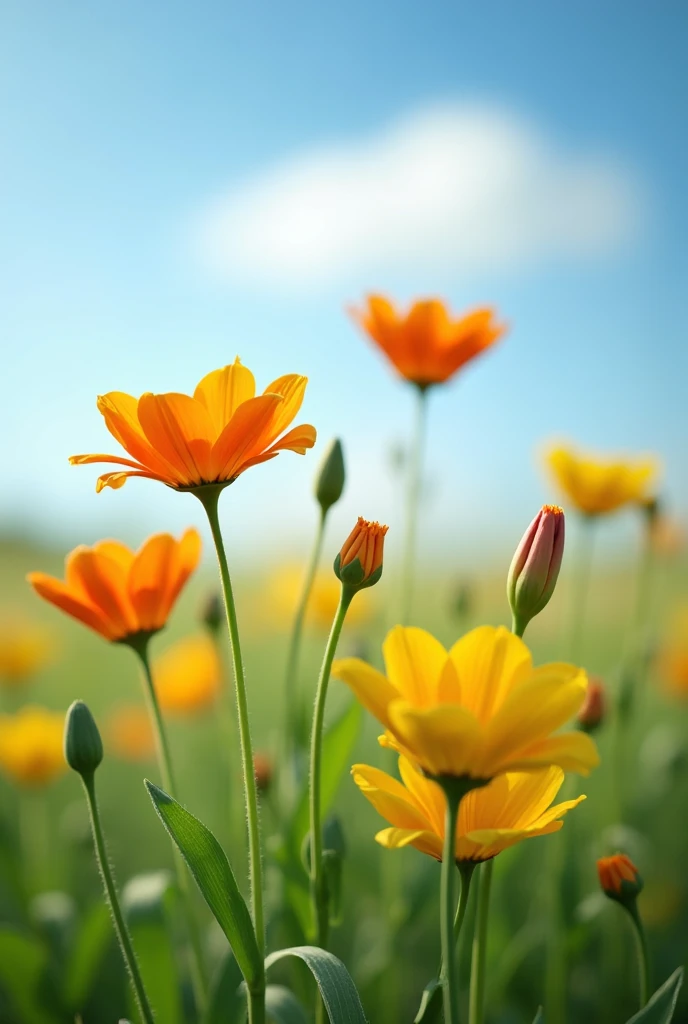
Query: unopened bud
[[594, 707], [359, 563], [535, 566], [83, 746], [213, 613], [619, 879], [329, 483], [262, 769]]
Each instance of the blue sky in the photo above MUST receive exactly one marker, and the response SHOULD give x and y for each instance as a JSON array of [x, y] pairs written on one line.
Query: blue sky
[[133, 132]]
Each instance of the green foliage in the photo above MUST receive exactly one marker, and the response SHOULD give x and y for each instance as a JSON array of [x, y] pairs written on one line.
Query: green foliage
[[282, 1006], [93, 938], [146, 903], [211, 869], [430, 1009], [23, 967], [226, 999], [539, 1017], [660, 1009], [337, 989]]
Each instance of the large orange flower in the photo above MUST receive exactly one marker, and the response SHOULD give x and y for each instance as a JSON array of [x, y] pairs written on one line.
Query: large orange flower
[[212, 437], [120, 593], [425, 345]]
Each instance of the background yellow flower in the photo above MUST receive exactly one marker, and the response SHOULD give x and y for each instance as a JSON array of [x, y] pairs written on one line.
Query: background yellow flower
[[31, 749], [188, 675], [25, 648], [597, 485], [284, 589]]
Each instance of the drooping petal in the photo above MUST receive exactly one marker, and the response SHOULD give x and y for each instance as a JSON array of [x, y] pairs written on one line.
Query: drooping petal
[[117, 480], [60, 595], [572, 751], [223, 391], [388, 797], [398, 838], [370, 687], [414, 661], [489, 663], [443, 739]]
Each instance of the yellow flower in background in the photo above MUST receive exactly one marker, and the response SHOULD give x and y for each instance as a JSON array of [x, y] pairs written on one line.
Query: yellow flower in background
[[31, 745], [188, 675], [425, 345], [213, 436], [121, 593], [478, 710], [596, 486], [284, 589], [25, 648], [512, 807], [130, 733]]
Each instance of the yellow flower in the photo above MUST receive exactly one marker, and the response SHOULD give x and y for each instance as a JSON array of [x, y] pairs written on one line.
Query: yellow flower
[[211, 437], [597, 486], [512, 807], [187, 675], [31, 745], [120, 593], [477, 710], [130, 733], [284, 588], [426, 346], [25, 648]]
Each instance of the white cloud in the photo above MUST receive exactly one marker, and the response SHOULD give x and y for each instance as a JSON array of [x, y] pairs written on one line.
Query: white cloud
[[454, 188]]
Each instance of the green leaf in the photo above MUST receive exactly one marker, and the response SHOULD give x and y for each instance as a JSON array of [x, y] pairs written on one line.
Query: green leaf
[[338, 742], [661, 1006], [336, 986], [23, 962], [282, 1006], [145, 900], [430, 1009], [92, 942], [209, 866], [539, 1017], [226, 998]]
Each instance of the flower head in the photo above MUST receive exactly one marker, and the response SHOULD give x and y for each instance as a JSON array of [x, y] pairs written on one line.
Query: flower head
[[130, 733], [25, 648], [475, 711], [535, 566], [594, 707], [619, 878], [187, 675], [512, 807], [425, 345], [359, 563], [31, 745], [120, 593], [83, 747], [597, 486], [211, 437], [284, 590]]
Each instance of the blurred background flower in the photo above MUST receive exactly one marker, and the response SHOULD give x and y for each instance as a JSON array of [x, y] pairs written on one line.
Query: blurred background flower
[[188, 675], [31, 745], [25, 648]]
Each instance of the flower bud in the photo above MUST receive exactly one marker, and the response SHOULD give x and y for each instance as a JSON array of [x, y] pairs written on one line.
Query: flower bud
[[619, 879], [359, 563], [83, 747], [594, 707], [213, 613], [262, 769], [329, 482], [535, 566]]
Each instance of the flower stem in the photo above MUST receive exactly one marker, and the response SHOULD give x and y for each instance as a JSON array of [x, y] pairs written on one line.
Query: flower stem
[[476, 1009], [196, 965], [121, 930], [447, 905], [318, 895], [466, 869], [210, 498], [415, 476], [642, 955]]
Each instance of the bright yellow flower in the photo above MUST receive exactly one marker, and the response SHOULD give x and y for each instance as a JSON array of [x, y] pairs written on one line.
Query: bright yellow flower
[[477, 710], [31, 750], [130, 733], [512, 807], [188, 675], [211, 437], [120, 593], [25, 648], [597, 486], [426, 346], [285, 586]]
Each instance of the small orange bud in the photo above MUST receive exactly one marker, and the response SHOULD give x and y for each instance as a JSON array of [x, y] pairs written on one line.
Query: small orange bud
[[262, 769], [594, 706], [359, 563], [619, 878]]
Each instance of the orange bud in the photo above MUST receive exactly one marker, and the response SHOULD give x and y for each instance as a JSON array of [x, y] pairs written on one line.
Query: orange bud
[[359, 563], [594, 706], [619, 878], [262, 769]]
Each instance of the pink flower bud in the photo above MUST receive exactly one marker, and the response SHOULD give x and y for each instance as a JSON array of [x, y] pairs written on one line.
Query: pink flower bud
[[535, 566]]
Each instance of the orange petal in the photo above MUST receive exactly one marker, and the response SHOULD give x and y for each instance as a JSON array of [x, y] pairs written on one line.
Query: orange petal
[[117, 480], [179, 428], [237, 442], [297, 440], [120, 412], [223, 391], [104, 582], [85, 460], [150, 580], [292, 388], [187, 557], [59, 594]]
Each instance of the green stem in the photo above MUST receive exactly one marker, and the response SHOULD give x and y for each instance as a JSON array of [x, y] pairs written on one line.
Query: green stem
[[447, 903], [415, 476], [318, 894], [466, 869], [476, 1000], [293, 655], [121, 930], [642, 955], [210, 498], [196, 965]]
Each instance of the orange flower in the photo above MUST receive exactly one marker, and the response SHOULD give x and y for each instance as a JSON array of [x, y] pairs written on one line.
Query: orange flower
[[131, 734], [31, 747], [120, 593], [212, 437], [187, 675], [359, 563], [619, 877], [673, 659], [426, 346]]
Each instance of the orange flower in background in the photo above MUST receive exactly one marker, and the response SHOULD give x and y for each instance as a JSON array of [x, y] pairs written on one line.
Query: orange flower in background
[[187, 676], [120, 593], [596, 486], [31, 745], [426, 346], [130, 733], [25, 648], [211, 437], [673, 660]]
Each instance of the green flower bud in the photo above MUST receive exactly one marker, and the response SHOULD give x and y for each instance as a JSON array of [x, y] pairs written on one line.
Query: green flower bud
[[331, 477], [213, 613], [83, 746]]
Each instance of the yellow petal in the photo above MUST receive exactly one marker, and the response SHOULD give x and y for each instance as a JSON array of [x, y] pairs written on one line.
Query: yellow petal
[[223, 391], [443, 739], [398, 838], [426, 794], [414, 661], [489, 662], [389, 797], [572, 751], [370, 687]]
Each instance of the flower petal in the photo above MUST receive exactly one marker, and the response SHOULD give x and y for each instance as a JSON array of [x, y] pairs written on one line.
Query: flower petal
[[104, 582], [414, 661], [398, 838], [389, 797], [572, 751], [61, 595], [179, 428], [370, 687], [292, 388], [223, 391], [120, 412], [243, 436], [443, 739], [489, 663], [426, 793]]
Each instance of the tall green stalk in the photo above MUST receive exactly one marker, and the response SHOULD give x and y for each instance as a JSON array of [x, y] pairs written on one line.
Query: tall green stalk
[[642, 956], [476, 1000], [450, 976], [415, 477]]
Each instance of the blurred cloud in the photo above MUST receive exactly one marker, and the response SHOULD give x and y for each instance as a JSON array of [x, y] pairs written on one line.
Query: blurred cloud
[[466, 187]]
